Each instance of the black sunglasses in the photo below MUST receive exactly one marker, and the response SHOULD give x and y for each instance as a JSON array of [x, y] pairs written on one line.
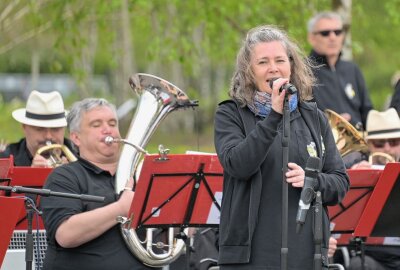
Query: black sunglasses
[[326, 33], [381, 143]]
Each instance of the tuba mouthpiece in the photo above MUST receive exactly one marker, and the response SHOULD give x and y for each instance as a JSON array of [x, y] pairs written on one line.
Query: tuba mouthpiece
[[109, 140]]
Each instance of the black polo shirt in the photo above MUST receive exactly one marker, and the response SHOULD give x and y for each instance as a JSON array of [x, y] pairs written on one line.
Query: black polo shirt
[[109, 250]]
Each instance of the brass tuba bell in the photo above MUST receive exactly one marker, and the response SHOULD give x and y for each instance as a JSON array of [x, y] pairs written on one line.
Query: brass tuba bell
[[347, 138], [157, 98], [55, 152]]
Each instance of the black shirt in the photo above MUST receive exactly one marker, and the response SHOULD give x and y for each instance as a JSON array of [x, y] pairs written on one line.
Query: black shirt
[[342, 89], [21, 154], [109, 250]]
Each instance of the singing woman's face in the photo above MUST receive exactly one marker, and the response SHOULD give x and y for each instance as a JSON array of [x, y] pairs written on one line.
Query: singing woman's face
[[269, 60]]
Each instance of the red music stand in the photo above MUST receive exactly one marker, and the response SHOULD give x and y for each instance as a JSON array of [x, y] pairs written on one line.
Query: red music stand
[[10, 209], [345, 216], [26, 177], [181, 190], [5, 165], [370, 209]]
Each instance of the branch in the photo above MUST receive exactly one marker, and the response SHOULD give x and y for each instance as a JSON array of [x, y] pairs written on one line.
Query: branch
[[8, 9], [24, 37]]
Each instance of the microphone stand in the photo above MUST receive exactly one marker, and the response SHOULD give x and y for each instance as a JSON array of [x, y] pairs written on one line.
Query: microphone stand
[[285, 190], [30, 207], [318, 235]]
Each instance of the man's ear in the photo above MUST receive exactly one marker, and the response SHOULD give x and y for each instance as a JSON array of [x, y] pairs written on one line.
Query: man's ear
[[74, 137]]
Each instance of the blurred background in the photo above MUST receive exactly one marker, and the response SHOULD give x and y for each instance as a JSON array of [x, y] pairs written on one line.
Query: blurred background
[[86, 48]]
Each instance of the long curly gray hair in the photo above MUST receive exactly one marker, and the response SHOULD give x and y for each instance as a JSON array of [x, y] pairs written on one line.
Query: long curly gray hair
[[243, 83]]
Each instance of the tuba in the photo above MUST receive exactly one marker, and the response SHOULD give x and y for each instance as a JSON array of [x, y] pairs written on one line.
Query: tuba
[[157, 98], [347, 138]]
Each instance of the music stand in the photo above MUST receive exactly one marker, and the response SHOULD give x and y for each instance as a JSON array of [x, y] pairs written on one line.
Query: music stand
[[26, 177], [178, 191], [346, 215], [31, 178], [5, 165], [370, 207], [183, 190], [10, 209], [372, 216], [381, 215]]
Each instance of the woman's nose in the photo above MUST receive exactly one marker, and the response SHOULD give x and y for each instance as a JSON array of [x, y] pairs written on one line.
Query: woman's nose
[[272, 67]]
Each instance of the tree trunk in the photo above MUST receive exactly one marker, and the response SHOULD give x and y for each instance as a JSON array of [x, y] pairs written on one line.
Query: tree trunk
[[84, 64], [343, 7], [35, 70], [128, 66]]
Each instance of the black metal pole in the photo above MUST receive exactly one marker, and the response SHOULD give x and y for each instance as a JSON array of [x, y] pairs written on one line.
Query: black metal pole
[[29, 235], [318, 235], [285, 161]]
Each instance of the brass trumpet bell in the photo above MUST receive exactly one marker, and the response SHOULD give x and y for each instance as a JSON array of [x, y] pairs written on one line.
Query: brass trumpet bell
[[55, 152], [380, 158], [347, 138]]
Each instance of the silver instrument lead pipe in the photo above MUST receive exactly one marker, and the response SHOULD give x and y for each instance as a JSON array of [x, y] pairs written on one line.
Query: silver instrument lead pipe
[[110, 140]]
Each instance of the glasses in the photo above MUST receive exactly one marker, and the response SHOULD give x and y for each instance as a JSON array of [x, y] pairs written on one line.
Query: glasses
[[326, 33], [381, 143]]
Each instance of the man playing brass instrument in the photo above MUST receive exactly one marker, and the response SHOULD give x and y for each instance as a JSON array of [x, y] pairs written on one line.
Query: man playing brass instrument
[[86, 235], [383, 139], [43, 122]]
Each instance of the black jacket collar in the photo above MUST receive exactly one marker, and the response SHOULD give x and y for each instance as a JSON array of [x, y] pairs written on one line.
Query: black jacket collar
[[318, 59]]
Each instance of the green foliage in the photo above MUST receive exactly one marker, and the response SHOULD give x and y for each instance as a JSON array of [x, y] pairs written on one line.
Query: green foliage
[[10, 130], [166, 32]]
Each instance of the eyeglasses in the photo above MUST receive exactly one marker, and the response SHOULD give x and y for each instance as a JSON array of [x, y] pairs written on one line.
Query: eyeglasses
[[381, 143], [326, 33]]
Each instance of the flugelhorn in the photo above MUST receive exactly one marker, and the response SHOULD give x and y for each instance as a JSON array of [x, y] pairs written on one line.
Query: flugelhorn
[[55, 152]]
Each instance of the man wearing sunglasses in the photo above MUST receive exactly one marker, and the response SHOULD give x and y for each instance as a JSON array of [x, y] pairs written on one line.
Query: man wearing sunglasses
[[340, 84], [383, 138]]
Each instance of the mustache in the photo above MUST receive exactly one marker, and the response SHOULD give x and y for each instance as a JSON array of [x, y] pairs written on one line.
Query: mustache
[[47, 142]]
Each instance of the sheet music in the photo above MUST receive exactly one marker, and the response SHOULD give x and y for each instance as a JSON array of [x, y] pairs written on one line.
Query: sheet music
[[393, 241], [214, 214]]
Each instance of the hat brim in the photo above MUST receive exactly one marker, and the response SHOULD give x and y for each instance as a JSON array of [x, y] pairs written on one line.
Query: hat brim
[[391, 135], [19, 115]]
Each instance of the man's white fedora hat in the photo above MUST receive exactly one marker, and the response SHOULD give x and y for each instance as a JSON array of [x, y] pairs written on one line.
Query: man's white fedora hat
[[383, 125], [42, 110]]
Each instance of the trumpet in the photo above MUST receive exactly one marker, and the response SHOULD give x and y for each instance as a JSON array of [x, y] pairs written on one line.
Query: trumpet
[[55, 152]]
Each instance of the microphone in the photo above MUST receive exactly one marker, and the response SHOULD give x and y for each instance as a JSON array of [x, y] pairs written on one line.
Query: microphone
[[307, 193], [290, 88]]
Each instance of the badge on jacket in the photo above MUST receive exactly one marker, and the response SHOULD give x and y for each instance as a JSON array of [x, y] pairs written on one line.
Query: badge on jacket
[[349, 91], [312, 149]]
